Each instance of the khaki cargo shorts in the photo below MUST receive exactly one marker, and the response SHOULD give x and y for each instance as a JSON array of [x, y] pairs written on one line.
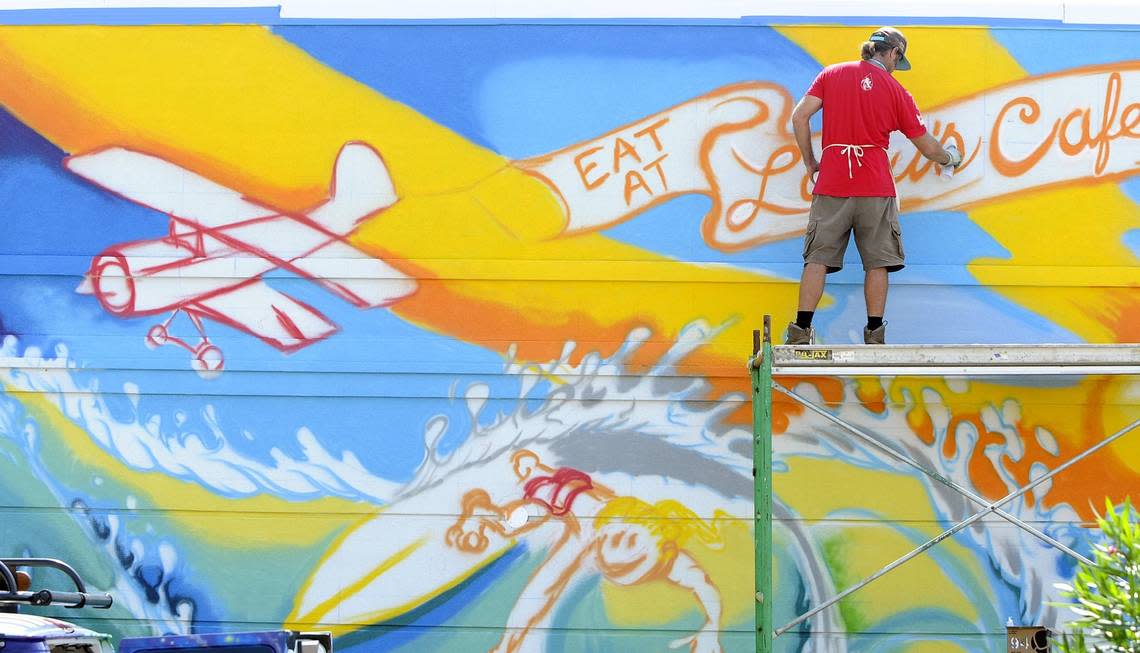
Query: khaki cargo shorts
[[875, 221]]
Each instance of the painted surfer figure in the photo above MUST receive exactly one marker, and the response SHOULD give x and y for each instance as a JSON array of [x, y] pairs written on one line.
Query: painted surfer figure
[[628, 541]]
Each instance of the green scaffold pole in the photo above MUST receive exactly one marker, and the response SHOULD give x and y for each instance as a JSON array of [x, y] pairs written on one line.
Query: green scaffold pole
[[761, 370]]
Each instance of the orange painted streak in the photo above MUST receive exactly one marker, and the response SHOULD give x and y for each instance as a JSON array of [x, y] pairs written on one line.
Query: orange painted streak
[[986, 479], [830, 389], [919, 421], [34, 97], [1083, 486], [552, 593], [441, 306], [1120, 313], [1101, 475], [871, 394], [917, 415], [467, 309], [438, 304]]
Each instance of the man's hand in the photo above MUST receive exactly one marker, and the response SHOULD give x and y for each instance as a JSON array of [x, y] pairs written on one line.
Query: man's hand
[[705, 640], [801, 129], [468, 537], [955, 156], [948, 157]]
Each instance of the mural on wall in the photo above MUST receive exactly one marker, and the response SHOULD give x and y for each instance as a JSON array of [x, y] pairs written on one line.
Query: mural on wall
[[458, 319]]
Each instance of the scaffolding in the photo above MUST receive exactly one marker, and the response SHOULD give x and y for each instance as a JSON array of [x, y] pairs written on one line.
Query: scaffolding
[[769, 362]]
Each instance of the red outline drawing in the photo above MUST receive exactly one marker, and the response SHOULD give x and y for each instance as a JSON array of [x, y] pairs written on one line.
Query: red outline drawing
[[220, 245]]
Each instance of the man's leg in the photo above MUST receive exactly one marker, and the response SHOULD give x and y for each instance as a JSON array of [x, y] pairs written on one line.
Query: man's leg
[[529, 620], [829, 229], [874, 291], [812, 280], [811, 285], [879, 239]]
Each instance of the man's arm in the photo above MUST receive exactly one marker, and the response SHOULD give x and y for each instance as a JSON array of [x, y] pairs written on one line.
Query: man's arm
[[686, 573], [933, 150], [801, 115], [910, 122]]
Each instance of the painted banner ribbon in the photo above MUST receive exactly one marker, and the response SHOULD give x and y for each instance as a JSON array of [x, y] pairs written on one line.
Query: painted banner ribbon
[[735, 145]]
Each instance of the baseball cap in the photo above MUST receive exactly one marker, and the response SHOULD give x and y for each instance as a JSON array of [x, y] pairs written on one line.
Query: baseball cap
[[895, 38]]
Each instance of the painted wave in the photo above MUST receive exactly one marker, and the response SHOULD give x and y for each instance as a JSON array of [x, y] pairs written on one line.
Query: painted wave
[[567, 409]]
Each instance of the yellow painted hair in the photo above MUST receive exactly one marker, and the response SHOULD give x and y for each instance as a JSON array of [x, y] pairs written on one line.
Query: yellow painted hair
[[669, 521]]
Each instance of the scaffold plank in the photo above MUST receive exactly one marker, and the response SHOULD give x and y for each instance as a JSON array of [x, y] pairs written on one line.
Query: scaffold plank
[[955, 360]]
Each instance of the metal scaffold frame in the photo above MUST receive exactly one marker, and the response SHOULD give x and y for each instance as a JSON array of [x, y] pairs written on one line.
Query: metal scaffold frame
[[769, 362]]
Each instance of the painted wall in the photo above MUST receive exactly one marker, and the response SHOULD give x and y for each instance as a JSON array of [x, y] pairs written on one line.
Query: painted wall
[[483, 388]]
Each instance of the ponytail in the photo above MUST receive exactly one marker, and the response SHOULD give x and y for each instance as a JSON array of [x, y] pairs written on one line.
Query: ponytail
[[871, 48]]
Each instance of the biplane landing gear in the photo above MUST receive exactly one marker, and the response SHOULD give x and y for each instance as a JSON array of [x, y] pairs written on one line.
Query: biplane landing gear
[[208, 360], [206, 357], [157, 336]]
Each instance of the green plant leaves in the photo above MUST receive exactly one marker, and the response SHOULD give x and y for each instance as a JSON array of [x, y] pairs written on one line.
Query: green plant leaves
[[1106, 594]]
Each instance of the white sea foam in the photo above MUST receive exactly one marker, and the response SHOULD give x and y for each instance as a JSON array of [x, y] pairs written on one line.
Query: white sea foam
[[657, 403], [204, 458]]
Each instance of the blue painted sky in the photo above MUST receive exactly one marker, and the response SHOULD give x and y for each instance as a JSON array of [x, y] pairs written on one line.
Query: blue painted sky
[[1046, 51]]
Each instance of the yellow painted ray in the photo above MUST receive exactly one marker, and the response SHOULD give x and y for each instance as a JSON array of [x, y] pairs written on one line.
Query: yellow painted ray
[[1067, 258], [949, 62], [933, 646], [233, 101]]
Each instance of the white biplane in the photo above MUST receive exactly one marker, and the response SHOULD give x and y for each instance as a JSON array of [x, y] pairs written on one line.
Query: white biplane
[[220, 244]]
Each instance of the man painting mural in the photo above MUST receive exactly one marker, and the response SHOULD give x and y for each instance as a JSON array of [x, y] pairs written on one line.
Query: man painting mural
[[855, 189]]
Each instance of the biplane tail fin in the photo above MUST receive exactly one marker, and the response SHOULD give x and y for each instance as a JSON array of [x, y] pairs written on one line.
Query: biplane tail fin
[[360, 187]]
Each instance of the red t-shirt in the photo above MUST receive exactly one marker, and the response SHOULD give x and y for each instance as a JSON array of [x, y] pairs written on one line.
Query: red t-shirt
[[862, 105]]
